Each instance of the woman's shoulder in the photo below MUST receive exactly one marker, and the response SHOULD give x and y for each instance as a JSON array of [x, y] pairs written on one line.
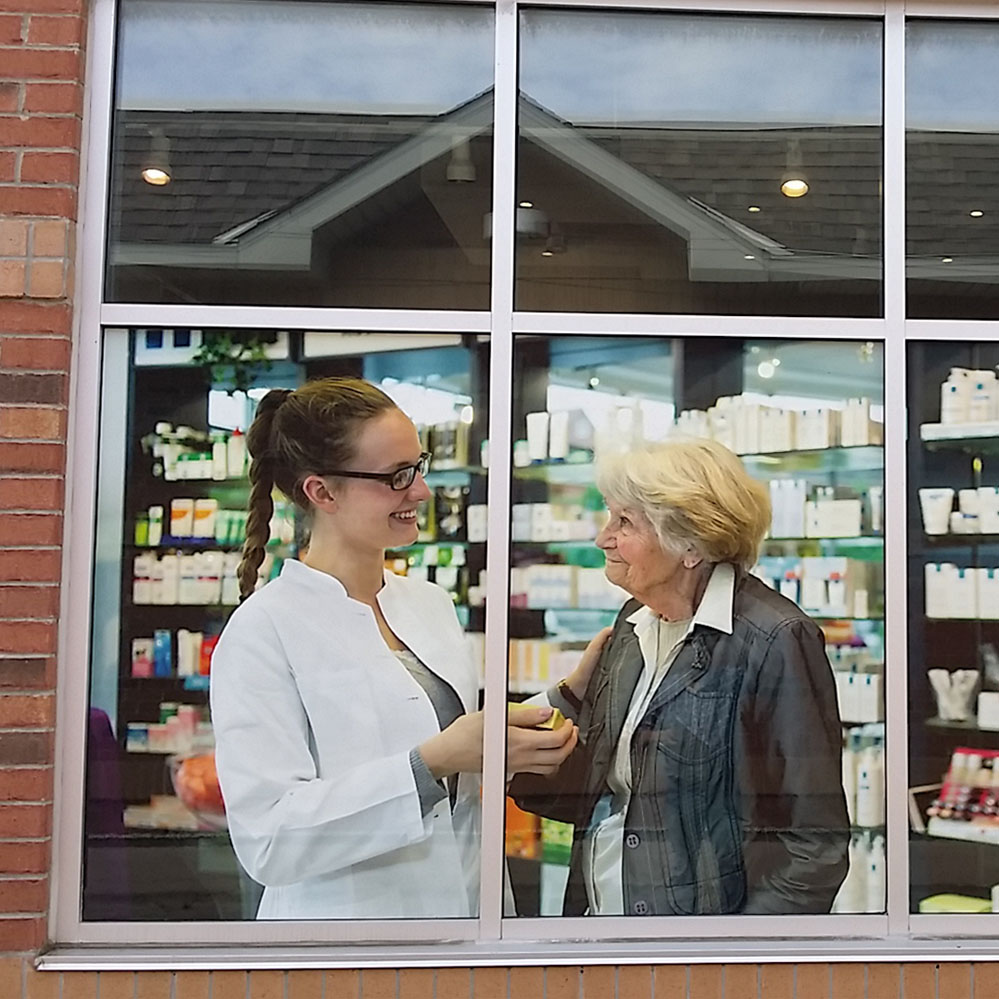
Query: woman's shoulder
[[763, 609]]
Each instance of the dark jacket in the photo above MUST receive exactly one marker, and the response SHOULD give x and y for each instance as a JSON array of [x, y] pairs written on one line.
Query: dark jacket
[[737, 801]]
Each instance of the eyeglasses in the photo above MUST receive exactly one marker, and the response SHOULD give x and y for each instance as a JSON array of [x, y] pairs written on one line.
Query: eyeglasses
[[400, 479]]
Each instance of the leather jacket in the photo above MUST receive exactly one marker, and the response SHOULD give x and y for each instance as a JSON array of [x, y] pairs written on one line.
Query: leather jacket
[[737, 801]]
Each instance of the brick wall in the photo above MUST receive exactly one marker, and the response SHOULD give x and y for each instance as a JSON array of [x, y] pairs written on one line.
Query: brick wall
[[40, 108]]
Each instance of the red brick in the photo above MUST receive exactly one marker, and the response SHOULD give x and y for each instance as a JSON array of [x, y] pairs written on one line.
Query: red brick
[[524, 982], [27, 637], [66, 29], [24, 821], [10, 92], [812, 981], [38, 602], [229, 984], [79, 985], [919, 981], [53, 98], [31, 493], [670, 981], [18, 529], [47, 985], [776, 981], [267, 985], [13, 237], [29, 565], [27, 748], [598, 981], [40, 64], [36, 423], [50, 168], [24, 896], [48, 6], [32, 458], [11, 974], [563, 983], [49, 237], [117, 985], [192, 985], [307, 984], [35, 353], [13, 275], [8, 165], [40, 133], [26, 784], [705, 981], [27, 673], [22, 934], [153, 985], [24, 858], [381, 983], [10, 29], [634, 981], [35, 317], [47, 279], [345, 983], [741, 981], [59, 201], [27, 710]]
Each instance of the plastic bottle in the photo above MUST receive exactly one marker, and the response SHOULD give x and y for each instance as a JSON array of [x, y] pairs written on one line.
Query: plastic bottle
[[876, 880], [236, 455]]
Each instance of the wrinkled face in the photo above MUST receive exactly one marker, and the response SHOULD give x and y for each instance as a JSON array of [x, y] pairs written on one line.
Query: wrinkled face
[[369, 513], [635, 560]]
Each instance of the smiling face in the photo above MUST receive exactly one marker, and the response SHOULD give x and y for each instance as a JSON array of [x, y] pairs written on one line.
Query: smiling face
[[635, 560], [369, 514]]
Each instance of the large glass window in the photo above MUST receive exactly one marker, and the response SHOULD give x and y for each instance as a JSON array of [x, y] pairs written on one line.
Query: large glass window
[[689, 163], [952, 132], [954, 625], [731, 755], [276, 153], [304, 762]]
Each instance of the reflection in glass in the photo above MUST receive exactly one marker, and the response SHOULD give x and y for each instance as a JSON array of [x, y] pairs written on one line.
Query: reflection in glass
[[310, 790], [718, 771], [950, 155], [686, 163], [953, 541], [300, 153]]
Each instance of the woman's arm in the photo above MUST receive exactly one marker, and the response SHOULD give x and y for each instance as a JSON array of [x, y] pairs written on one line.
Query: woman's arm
[[797, 843]]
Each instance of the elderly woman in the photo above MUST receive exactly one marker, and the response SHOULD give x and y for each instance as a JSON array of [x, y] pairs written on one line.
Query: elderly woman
[[707, 775]]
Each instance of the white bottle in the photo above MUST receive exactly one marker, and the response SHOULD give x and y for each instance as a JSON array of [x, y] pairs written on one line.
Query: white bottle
[[236, 455], [220, 459], [876, 880], [870, 788], [954, 397], [980, 403]]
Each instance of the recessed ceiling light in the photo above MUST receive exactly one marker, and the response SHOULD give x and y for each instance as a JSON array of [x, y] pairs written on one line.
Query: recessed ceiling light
[[794, 187], [977, 213], [547, 253], [155, 176], [748, 256], [946, 260], [754, 209], [766, 369], [526, 204], [594, 382]]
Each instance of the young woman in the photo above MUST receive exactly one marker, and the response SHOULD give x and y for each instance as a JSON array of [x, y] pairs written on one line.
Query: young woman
[[344, 701]]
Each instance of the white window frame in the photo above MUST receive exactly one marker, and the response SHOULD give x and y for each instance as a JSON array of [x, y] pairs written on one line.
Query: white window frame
[[491, 939]]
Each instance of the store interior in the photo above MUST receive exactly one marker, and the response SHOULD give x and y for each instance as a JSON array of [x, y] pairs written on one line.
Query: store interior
[[805, 415]]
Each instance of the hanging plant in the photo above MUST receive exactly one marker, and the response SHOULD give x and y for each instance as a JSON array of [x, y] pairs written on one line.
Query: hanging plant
[[233, 360]]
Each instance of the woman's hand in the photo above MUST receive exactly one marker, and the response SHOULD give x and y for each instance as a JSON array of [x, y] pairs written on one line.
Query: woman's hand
[[579, 678], [534, 750], [458, 749]]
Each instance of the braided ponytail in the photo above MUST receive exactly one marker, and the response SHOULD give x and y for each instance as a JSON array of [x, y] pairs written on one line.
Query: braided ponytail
[[261, 505]]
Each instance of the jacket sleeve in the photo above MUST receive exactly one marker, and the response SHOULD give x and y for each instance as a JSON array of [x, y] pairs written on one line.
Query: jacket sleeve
[[796, 846], [287, 822]]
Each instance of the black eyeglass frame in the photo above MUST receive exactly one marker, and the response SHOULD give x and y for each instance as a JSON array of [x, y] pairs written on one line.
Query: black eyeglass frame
[[420, 467]]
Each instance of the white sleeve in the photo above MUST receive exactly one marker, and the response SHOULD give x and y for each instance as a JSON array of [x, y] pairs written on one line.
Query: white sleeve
[[286, 823]]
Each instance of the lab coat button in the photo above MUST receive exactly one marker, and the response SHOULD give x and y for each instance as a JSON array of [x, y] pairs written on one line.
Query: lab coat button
[[631, 840], [641, 908]]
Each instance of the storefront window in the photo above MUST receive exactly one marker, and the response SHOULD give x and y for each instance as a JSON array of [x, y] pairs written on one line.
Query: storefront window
[[304, 761], [752, 774], [951, 138], [684, 163], [954, 625], [273, 153]]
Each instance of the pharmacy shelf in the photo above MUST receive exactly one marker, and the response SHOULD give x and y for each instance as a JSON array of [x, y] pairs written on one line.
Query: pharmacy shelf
[[973, 438], [960, 540], [968, 725], [453, 476]]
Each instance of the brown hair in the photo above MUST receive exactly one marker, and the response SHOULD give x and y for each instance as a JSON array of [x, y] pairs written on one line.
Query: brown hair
[[294, 435]]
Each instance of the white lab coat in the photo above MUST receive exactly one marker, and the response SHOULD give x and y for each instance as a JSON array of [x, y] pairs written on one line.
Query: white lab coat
[[314, 721]]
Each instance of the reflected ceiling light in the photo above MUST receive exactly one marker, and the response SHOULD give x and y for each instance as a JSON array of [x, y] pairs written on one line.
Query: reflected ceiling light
[[525, 204], [156, 169], [793, 182], [530, 223], [467, 414], [754, 209], [977, 213], [594, 382], [547, 253], [748, 256], [766, 369], [946, 260], [460, 167]]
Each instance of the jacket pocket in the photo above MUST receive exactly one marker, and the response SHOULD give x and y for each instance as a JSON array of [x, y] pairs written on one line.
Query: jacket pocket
[[694, 727]]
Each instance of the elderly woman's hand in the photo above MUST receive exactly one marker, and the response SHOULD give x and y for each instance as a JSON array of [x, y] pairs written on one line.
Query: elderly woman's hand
[[579, 678]]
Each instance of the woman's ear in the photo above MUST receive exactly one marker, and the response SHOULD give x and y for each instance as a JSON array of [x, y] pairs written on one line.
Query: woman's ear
[[692, 559], [319, 494]]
